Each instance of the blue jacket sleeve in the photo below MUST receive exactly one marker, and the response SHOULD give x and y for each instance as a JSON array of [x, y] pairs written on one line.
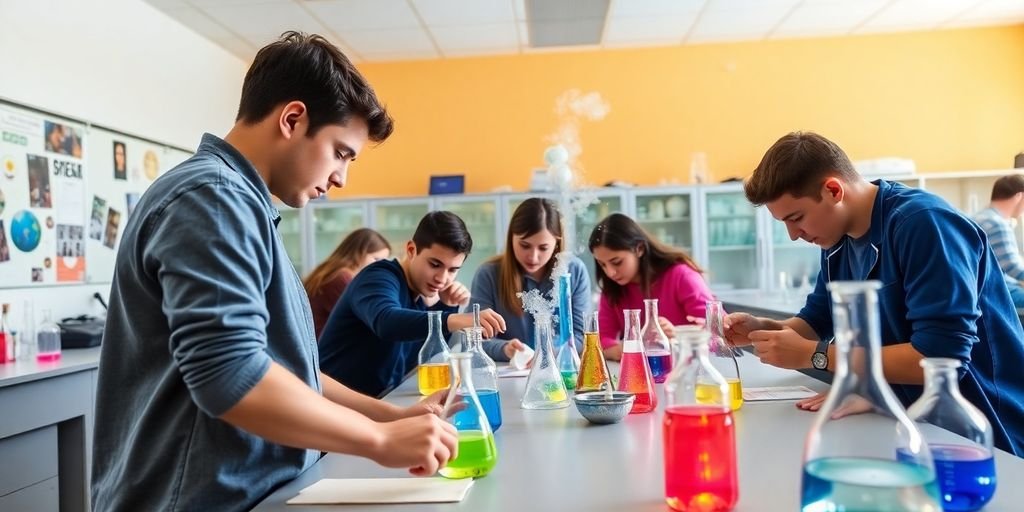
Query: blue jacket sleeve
[[817, 310], [940, 283], [380, 308], [484, 291], [213, 292]]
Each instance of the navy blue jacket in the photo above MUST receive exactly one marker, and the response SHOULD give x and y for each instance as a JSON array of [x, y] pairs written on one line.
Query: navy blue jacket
[[942, 290], [373, 337]]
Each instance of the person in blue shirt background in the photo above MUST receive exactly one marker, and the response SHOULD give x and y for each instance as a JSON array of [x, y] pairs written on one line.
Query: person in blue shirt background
[[374, 334], [534, 237], [942, 293]]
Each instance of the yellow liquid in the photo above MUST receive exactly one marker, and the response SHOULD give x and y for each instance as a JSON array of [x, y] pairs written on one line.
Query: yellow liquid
[[593, 371], [709, 394], [433, 377]]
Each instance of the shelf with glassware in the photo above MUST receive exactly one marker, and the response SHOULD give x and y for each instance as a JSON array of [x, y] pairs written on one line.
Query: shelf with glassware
[[609, 201], [666, 213], [396, 219], [331, 222], [481, 213], [293, 231]]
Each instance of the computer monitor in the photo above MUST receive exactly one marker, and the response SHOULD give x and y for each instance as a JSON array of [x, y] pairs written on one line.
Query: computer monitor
[[449, 184]]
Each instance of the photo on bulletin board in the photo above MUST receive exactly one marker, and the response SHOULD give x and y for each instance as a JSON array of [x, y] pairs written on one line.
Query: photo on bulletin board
[[63, 139], [113, 221], [99, 212], [120, 161], [5, 252], [39, 182]]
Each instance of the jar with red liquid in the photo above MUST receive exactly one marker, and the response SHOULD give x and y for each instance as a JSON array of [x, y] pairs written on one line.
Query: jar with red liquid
[[699, 432]]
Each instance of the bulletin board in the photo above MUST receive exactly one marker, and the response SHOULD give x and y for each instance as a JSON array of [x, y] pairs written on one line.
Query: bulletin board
[[66, 194]]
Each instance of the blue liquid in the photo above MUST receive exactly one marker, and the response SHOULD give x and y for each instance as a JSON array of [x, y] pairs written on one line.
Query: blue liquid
[[491, 403], [661, 364], [966, 476], [863, 484]]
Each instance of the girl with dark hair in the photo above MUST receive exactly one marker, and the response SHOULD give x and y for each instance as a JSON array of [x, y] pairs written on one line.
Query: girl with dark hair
[[633, 266], [328, 281], [534, 237]]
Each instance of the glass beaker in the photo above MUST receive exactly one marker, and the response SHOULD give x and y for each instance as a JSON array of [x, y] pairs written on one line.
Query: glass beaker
[[656, 347], [568, 358], [634, 371], [699, 432], [594, 374], [959, 437], [47, 339], [7, 345], [433, 373], [722, 354], [485, 376], [477, 454], [875, 460], [544, 387]]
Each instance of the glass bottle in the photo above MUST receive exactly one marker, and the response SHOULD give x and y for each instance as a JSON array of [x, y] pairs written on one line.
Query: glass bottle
[[722, 354], [544, 387], [594, 374], [47, 340], [477, 454], [434, 372], [485, 376], [698, 431], [877, 459], [959, 437], [634, 371], [6, 337], [656, 347], [568, 358]]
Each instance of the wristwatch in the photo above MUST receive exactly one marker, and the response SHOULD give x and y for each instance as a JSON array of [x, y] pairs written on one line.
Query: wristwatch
[[819, 359]]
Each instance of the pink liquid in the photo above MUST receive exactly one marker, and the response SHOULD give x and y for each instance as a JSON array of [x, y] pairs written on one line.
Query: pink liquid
[[700, 459], [635, 377], [48, 357]]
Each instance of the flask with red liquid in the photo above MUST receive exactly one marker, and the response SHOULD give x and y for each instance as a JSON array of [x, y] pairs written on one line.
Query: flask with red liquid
[[634, 370]]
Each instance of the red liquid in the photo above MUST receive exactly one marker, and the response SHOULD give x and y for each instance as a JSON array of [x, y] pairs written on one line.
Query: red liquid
[[635, 377], [700, 459]]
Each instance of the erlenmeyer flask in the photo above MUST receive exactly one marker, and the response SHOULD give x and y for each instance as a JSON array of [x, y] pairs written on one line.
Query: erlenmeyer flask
[[594, 374], [659, 355], [544, 386], [892, 472], [698, 431], [433, 372], [721, 354], [568, 358], [634, 371], [959, 436], [477, 453], [485, 376]]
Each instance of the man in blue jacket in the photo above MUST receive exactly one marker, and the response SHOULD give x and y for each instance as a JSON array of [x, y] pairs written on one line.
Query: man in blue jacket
[[374, 334], [942, 291]]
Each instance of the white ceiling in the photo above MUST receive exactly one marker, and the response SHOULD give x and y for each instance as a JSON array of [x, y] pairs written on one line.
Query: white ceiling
[[373, 30]]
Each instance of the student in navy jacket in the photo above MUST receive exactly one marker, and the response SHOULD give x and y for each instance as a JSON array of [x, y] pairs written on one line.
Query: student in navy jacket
[[374, 334], [942, 293]]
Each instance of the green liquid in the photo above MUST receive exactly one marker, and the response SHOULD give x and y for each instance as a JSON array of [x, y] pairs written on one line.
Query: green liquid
[[477, 456], [569, 379]]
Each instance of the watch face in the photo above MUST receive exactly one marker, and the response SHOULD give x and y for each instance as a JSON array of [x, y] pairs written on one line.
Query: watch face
[[819, 360]]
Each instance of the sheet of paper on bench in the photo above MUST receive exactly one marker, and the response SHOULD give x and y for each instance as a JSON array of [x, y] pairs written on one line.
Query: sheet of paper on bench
[[383, 490], [777, 393]]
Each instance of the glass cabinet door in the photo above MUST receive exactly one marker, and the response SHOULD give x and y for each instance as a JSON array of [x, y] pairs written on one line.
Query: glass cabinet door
[[481, 218], [331, 224], [290, 229], [587, 220], [731, 224], [667, 218], [397, 220], [793, 261]]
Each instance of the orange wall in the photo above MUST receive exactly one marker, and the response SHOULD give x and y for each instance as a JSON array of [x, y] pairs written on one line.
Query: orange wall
[[951, 100]]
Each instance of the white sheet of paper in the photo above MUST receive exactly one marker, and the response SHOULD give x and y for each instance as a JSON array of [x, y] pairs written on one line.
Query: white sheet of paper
[[331, 491], [777, 393], [508, 371]]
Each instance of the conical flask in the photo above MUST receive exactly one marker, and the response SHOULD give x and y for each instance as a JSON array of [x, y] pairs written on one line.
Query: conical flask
[[698, 431], [594, 374], [568, 358], [959, 436], [656, 347], [433, 372], [721, 354], [544, 386], [477, 453], [485, 376], [634, 371], [893, 471]]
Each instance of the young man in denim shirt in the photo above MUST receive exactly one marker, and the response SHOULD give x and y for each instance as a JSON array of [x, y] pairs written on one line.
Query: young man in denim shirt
[[1007, 204], [942, 292], [209, 394]]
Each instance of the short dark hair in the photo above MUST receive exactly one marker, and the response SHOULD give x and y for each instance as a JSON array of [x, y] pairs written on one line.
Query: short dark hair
[[308, 68], [797, 164], [1007, 187], [443, 228]]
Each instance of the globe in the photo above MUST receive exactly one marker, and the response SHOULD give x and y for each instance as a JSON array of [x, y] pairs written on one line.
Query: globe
[[25, 231]]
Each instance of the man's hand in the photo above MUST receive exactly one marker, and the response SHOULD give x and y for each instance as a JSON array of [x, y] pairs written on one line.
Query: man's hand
[[491, 322], [456, 294], [852, 405], [423, 443], [784, 348], [513, 346], [433, 404], [738, 326]]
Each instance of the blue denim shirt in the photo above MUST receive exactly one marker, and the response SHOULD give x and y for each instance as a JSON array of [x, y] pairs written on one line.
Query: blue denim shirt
[[203, 299], [942, 291]]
